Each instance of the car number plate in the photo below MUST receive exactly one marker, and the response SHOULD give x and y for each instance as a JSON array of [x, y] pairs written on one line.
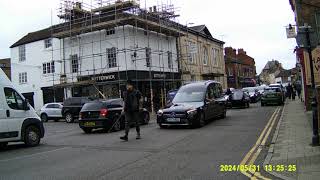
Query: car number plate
[[173, 119], [89, 124]]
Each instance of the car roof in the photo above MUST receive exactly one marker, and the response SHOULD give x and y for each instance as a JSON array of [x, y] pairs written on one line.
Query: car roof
[[201, 83]]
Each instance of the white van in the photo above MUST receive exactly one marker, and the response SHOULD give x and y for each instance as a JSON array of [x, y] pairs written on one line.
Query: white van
[[18, 120]]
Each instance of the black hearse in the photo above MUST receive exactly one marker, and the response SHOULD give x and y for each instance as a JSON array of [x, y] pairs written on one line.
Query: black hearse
[[194, 105]]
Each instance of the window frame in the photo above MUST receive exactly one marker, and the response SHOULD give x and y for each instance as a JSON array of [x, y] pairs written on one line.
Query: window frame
[[48, 43], [74, 63], [23, 78], [170, 62], [22, 53], [148, 56], [205, 60], [112, 57], [110, 31]]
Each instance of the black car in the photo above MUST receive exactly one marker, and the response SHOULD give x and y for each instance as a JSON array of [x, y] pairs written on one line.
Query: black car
[[106, 114], [194, 105], [254, 94], [72, 106], [240, 99]]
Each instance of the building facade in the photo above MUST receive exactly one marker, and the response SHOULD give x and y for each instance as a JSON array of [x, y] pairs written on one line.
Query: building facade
[[5, 65], [201, 56], [240, 68], [307, 13]]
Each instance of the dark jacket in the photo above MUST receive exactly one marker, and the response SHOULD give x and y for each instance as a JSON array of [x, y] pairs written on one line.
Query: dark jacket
[[132, 101]]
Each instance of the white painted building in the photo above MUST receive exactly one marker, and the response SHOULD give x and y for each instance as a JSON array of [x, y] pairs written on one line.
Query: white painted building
[[109, 57]]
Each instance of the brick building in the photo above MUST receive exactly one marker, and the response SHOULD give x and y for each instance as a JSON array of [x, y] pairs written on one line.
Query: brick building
[[240, 68]]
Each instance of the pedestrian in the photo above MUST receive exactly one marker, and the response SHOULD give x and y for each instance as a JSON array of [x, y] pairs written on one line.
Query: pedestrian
[[131, 110], [298, 88], [289, 91], [294, 94]]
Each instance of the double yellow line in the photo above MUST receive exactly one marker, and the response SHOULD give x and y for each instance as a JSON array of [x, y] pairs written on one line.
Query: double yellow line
[[254, 152]]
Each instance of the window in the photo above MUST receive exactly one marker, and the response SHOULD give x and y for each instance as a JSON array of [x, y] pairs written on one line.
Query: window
[[170, 64], [110, 31], [215, 56], [48, 68], [112, 57], [23, 78], [205, 56], [192, 50], [22, 53], [14, 100], [230, 73], [74, 63], [48, 43], [148, 57]]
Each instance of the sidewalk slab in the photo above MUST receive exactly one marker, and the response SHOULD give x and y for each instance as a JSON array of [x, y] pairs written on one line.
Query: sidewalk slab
[[292, 144]]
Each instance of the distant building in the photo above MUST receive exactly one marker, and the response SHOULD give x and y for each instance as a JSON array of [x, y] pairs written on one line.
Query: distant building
[[240, 68], [270, 71], [5, 65], [201, 56]]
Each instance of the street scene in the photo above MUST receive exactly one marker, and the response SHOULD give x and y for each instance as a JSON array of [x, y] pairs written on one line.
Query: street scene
[[145, 89]]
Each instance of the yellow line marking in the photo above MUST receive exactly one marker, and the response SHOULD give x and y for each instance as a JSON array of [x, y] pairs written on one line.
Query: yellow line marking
[[245, 159], [267, 130]]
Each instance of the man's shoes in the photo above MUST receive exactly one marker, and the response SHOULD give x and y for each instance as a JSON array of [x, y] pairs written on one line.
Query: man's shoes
[[138, 136], [125, 138]]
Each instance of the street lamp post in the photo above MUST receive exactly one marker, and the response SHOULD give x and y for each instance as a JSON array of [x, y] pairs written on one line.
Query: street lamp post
[[314, 104]]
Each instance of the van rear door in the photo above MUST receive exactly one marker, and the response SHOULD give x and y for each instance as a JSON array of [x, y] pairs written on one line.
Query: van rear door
[[3, 118]]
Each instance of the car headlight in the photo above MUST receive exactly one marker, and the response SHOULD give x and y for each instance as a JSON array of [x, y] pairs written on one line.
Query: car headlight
[[192, 112], [160, 113]]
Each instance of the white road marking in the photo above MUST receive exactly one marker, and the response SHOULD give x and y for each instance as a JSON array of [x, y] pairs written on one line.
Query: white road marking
[[31, 155]]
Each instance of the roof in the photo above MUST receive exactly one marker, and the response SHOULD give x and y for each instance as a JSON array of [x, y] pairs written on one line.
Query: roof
[[33, 36], [203, 31], [284, 73]]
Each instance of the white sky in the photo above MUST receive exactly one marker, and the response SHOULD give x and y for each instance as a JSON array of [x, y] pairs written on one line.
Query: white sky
[[258, 26]]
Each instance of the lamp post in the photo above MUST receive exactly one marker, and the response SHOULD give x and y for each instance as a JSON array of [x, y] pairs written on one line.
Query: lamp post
[[314, 104]]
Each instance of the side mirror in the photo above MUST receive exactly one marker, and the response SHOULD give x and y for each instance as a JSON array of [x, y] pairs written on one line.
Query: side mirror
[[25, 105]]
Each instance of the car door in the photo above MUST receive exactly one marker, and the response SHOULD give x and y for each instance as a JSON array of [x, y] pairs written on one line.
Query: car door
[[49, 110], [56, 110], [219, 99], [15, 112], [210, 101]]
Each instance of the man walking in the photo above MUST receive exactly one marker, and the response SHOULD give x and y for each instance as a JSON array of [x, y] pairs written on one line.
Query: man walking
[[131, 109]]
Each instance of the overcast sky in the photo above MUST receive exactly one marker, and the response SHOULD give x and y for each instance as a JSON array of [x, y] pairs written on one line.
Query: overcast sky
[[258, 26]]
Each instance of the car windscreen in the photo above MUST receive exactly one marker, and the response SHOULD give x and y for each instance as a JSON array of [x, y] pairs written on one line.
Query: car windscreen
[[114, 103], [93, 106], [237, 95], [190, 94]]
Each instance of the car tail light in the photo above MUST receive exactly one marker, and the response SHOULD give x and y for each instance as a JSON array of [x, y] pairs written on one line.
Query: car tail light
[[103, 112]]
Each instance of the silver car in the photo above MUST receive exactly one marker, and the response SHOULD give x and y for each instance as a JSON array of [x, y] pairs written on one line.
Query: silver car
[[51, 111]]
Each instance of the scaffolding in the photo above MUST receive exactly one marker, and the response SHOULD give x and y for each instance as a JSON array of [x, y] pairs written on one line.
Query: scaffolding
[[78, 18]]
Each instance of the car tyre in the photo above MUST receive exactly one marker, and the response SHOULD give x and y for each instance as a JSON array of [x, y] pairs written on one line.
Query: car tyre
[[224, 115], [201, 121], [262, 104], [69, 118], [3, 145], [87, 130], [162, 126], [32, 136], [44, 117]]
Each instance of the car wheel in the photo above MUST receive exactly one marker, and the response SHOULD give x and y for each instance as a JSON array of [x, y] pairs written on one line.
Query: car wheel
[[44, 117], [69, 118], [87, 130], [3, 145], [248, 105], [201, 121], [146, 118], [224, 115], [162, 126], [32, 136], [56, 120], [262, 104]]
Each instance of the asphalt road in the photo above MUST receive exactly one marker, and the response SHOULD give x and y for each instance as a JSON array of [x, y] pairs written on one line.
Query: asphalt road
[[175, 153]]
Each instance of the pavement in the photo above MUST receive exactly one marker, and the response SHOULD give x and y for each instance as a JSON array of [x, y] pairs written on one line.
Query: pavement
[[291, 145], [169, 154]]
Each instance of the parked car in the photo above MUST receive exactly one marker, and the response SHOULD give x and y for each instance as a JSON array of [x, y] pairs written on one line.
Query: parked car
[[194, 105], [72, 106], [106, 114], [282, 89], [51, 111], [240, 99], [18, 120], [253, 94], [272, 95]]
